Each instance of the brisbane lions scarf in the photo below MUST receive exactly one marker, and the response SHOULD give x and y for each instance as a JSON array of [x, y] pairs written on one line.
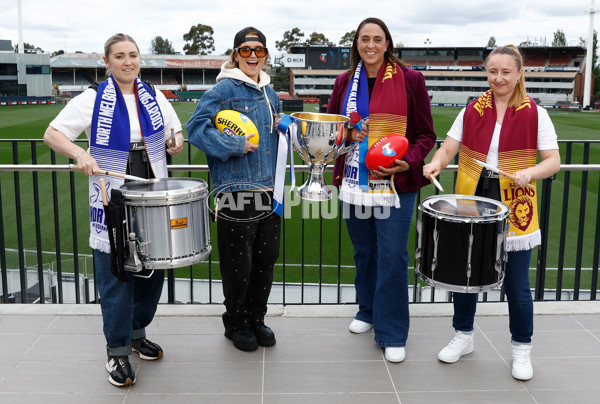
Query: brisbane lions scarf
[[386, 110], [517, 151], [109, 145]]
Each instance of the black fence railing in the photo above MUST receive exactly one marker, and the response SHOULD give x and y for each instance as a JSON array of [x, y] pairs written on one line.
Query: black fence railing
[[45, 257]]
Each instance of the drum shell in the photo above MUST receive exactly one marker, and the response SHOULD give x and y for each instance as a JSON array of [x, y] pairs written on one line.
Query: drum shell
[[447, 268], [170, 220]]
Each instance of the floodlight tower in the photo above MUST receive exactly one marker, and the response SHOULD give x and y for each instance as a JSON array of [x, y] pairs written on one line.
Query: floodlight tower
[[587, 84], [20, 18]]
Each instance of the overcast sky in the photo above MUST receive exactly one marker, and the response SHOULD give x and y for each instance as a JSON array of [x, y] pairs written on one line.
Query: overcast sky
[[81, 25]]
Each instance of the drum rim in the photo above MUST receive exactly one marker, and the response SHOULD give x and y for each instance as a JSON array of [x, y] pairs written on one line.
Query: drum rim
[[499, 216], [200, 189]]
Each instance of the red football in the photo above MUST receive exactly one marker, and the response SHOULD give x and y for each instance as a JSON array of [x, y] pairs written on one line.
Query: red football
[[385, 151]]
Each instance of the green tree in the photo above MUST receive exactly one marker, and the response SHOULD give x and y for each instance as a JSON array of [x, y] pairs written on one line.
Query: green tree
[[317, 39], [492, 42], [58, 52], [559, 38], [348, 38], [200, 38], [29, 48], [290, 38], [161, 46]]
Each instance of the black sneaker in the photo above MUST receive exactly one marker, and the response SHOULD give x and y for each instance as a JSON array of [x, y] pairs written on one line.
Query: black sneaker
[[264, 335], [120, 371], [242, 338], [147, 349]]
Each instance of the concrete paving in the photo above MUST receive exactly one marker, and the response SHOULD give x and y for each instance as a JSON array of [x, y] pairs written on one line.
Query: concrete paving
[[55, 354]]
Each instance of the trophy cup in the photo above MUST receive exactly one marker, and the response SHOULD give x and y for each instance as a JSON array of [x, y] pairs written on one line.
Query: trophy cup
[[318, 140]]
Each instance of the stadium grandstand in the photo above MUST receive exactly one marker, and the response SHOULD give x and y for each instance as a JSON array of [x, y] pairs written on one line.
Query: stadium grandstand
[[179, 77], [554, 75], [24, 77], [453, 75]]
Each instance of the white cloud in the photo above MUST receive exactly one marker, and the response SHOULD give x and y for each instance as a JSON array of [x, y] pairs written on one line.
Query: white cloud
[[84, 26]]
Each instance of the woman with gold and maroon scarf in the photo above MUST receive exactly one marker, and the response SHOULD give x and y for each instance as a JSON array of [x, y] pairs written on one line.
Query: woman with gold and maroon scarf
[[505, 128], [378, 205]]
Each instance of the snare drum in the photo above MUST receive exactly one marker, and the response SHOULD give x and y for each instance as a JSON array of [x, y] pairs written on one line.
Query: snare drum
[[167, 221], [460, 242]]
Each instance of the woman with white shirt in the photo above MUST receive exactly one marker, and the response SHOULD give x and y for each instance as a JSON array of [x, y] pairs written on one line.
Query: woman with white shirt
[[127, 126], [505, 128]]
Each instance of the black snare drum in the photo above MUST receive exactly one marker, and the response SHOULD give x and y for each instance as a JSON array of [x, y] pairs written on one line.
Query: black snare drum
[[460, 242]]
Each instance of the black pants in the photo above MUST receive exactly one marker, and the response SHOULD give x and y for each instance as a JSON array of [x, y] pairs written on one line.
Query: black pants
[[248, 240]]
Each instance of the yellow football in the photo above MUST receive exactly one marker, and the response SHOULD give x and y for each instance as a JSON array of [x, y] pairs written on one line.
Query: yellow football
[[235, 123]]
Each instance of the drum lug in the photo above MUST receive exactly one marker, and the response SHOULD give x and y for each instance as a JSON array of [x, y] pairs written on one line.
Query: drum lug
[[419, 227], [469, 254], [436, 237], [133, 263]]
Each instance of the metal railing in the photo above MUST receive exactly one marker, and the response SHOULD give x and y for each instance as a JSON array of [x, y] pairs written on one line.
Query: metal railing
[[44, 224]]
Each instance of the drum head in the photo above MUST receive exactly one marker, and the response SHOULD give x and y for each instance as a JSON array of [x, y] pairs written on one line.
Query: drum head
[[464, 208], [164, 188]]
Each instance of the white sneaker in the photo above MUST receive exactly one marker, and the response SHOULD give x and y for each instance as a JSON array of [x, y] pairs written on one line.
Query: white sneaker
[[395, 354], [521, 367], [460, 345], [359, 327]]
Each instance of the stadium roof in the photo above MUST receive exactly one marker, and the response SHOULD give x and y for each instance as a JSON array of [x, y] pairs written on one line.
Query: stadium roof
[[83, 60]]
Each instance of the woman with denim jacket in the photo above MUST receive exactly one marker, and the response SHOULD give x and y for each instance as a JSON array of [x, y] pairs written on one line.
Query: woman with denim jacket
[[243, 177]]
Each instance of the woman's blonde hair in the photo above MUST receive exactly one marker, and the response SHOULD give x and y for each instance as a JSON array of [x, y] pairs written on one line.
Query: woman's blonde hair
[[116, 38], [519, 93]]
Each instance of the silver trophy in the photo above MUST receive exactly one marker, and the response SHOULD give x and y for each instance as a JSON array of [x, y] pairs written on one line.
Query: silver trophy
[[318, 140]]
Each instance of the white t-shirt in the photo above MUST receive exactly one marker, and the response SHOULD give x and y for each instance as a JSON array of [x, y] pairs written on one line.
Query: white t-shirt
[[76, 116], [546, 140]]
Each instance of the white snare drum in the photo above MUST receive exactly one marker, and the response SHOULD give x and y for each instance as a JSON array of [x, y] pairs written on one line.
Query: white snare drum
[[460, 242], [167, 221]]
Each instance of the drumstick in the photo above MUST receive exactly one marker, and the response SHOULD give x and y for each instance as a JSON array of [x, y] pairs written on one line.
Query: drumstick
[[173, 142], [498, 171], [436, 183], [125, 176], [103, 190], [119, 175]]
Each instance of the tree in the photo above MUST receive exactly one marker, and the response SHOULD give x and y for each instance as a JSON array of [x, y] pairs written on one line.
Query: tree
[[559, 38], [58, 52], [29, 48], [317, 39], [201, 38], [492, 42], [348, 38], [290, 38], [160, 46]]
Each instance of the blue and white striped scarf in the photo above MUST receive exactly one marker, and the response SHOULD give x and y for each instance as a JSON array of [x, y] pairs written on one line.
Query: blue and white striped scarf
[[109, 145]]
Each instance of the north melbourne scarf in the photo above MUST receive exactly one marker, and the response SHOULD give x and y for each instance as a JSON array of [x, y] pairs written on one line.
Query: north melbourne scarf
[[109, 145]]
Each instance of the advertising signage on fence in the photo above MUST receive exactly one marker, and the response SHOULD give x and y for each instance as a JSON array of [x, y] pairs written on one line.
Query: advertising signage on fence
[[328, 58]]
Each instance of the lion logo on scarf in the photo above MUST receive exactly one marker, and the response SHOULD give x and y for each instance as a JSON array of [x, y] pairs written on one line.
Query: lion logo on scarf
[[521, 212]]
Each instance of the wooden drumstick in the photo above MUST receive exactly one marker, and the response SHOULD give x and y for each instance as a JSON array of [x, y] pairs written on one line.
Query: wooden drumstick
[[504, 173], [103, 190], [119, 175], [436, 183], [124, 176]]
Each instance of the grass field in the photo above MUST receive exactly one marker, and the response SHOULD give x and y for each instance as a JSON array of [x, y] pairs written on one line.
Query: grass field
[[313, 257]]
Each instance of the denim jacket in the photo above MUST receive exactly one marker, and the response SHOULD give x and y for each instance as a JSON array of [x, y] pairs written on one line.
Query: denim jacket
[[231, 169]]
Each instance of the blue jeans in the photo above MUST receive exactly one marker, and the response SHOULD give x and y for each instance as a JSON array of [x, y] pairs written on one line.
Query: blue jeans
[[381, 258], [128, 307], [518, 295]]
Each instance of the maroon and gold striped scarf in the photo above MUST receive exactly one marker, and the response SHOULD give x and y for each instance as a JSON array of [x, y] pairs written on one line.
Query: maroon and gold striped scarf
[[517, 150]]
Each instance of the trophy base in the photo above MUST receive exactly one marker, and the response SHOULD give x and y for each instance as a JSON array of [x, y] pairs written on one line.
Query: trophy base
[[314, 192]]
